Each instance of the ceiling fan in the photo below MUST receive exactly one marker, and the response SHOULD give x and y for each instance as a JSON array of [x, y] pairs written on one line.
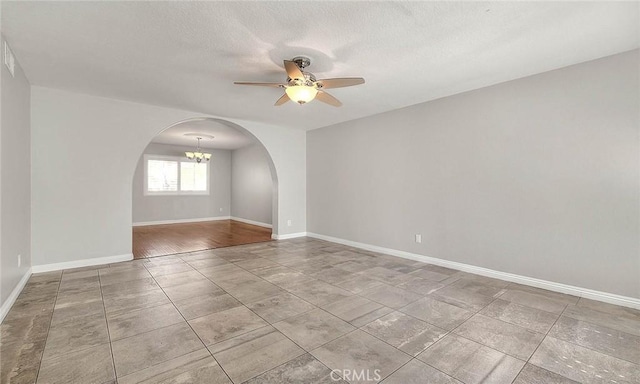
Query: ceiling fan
[[302, 87]]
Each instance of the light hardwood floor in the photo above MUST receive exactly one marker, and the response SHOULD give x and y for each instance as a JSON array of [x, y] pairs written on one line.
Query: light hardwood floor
[[168, 239]]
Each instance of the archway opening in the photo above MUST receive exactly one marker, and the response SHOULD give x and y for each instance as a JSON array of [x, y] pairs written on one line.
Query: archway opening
[[186, 203]]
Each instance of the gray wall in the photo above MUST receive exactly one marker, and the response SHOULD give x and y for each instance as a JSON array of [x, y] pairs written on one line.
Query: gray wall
[[160, 208], [537, 176], [15, 179], [251, 184], [89, 215]]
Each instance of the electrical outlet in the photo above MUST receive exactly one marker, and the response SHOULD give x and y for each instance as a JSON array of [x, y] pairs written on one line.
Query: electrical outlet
[[288, 223], [19, 260], [418, 238], [221, 209]]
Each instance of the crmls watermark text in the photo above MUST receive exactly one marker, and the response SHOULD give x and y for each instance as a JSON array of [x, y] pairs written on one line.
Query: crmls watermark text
[[356, 374]]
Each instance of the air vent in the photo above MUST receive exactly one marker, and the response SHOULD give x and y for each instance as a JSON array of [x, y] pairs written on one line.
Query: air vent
[[9, 60]]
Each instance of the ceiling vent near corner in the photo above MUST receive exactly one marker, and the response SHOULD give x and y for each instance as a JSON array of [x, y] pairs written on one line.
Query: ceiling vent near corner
[[9, 60]]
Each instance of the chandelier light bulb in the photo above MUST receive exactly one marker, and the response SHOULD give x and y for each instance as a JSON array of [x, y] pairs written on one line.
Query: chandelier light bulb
[[198, 155]]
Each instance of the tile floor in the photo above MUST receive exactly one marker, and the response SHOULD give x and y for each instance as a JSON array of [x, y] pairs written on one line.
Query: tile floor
[[294, 311]]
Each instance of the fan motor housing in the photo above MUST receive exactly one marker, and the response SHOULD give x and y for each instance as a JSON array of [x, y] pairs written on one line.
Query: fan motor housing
[[309, 79], [302, 61]]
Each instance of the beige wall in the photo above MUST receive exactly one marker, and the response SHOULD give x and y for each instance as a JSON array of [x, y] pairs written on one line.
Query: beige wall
[[537, 177]]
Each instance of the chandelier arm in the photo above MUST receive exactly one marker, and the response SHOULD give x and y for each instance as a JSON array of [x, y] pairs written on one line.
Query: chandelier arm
[[198, 155]]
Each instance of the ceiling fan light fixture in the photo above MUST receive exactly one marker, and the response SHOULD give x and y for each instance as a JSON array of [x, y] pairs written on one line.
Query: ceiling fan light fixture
[[302, 87], [301, 94]]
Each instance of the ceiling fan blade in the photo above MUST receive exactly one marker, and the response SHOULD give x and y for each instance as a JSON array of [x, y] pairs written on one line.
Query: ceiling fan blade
[[340, 82], [282, 100], [293, 71], [259, 84], [327, 98]]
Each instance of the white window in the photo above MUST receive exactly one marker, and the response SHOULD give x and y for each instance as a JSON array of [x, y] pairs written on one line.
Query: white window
[[162, 175], [168, 175], [193, 176]]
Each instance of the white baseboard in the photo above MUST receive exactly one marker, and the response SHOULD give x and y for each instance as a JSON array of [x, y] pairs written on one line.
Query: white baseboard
[[288, 236], [258, 223], [179, 221], [539, 283], [6, 306], [81, 263]]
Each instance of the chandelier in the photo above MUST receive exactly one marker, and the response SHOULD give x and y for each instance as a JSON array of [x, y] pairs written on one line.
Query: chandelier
[[198, 155]]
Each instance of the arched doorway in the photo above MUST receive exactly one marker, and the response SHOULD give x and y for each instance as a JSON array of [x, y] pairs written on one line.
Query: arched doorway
[[182, 205]]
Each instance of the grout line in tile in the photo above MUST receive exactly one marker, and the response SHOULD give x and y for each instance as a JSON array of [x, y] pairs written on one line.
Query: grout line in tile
[[48, 329], [538, 346], [369, 333], [270, 324], [457, 335], [358, 329], [113, 359], [189, 325], [505, 353], [581, 346], [242, 304], [336, 316], [334, 285]]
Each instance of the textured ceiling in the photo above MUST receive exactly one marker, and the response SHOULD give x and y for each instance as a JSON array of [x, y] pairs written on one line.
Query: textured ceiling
[[187, 54], [224, 137]]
